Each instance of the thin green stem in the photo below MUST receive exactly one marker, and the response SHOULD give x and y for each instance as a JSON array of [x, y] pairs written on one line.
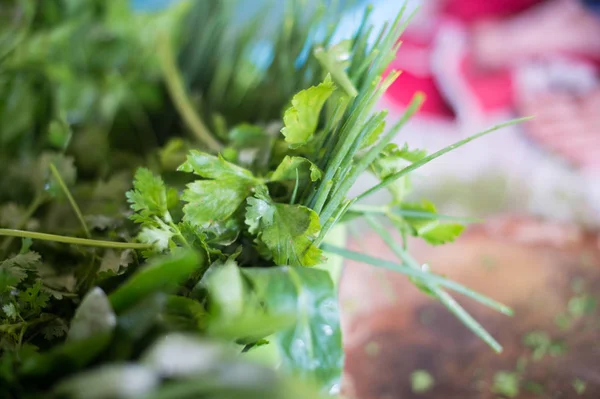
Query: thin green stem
[[387, 210], [295, 192], [72, 240], [180, 97], [74, 205], [409, 271], [440, 294], [393, 177]]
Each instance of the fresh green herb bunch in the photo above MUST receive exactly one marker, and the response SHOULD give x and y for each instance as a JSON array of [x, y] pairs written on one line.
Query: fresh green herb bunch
[[221, 247]]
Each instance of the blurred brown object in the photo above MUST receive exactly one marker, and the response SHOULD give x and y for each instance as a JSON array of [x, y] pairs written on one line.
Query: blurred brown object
[[539, 269]]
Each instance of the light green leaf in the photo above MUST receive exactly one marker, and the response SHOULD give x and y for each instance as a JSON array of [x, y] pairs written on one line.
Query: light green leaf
[[148, 197], [302, 117], [288, 167], [287, 230], [391, 160], [431, 230], [159, 236], [443, 233], [312, 348], [218, 197]]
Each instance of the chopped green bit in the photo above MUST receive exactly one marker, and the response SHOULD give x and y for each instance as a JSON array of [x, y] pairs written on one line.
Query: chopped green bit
[[579, 386], [521, 364], [563, 321], [541, 344], [534, 387], [581, 305], [372, 348], [506, 383], [421, 381]]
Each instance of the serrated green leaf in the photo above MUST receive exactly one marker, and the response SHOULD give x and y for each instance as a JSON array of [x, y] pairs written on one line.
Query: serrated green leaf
[[218, 197], [292, 167], [34, 298], [301, 119], [391, 160], [16, 268], [57, 328], [287, 230], [160, 236], [311, 348], [148, 197], [431, 230], [10, 311]]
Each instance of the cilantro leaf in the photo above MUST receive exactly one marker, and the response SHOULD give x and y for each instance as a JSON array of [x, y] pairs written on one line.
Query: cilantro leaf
[[161, 236], [15, 269], [392, 160], [57, 328], [218, 197], [10, 311], [287, 230], [302, 117], [443, 233], [148, 197], [290, 165], [431, 230], [34, 298]]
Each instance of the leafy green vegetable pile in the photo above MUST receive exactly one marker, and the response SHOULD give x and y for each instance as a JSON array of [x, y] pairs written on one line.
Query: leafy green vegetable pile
[[164, 195]]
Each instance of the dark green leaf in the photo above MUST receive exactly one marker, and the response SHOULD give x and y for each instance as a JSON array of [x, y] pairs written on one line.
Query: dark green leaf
[[163, 274], [287, 230], [292, 167]]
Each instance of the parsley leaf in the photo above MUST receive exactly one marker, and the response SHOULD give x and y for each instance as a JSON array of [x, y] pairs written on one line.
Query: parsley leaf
[[302, 117], [289, 165], [287, 230], [392, 160], [218, 197], [431, 230]]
